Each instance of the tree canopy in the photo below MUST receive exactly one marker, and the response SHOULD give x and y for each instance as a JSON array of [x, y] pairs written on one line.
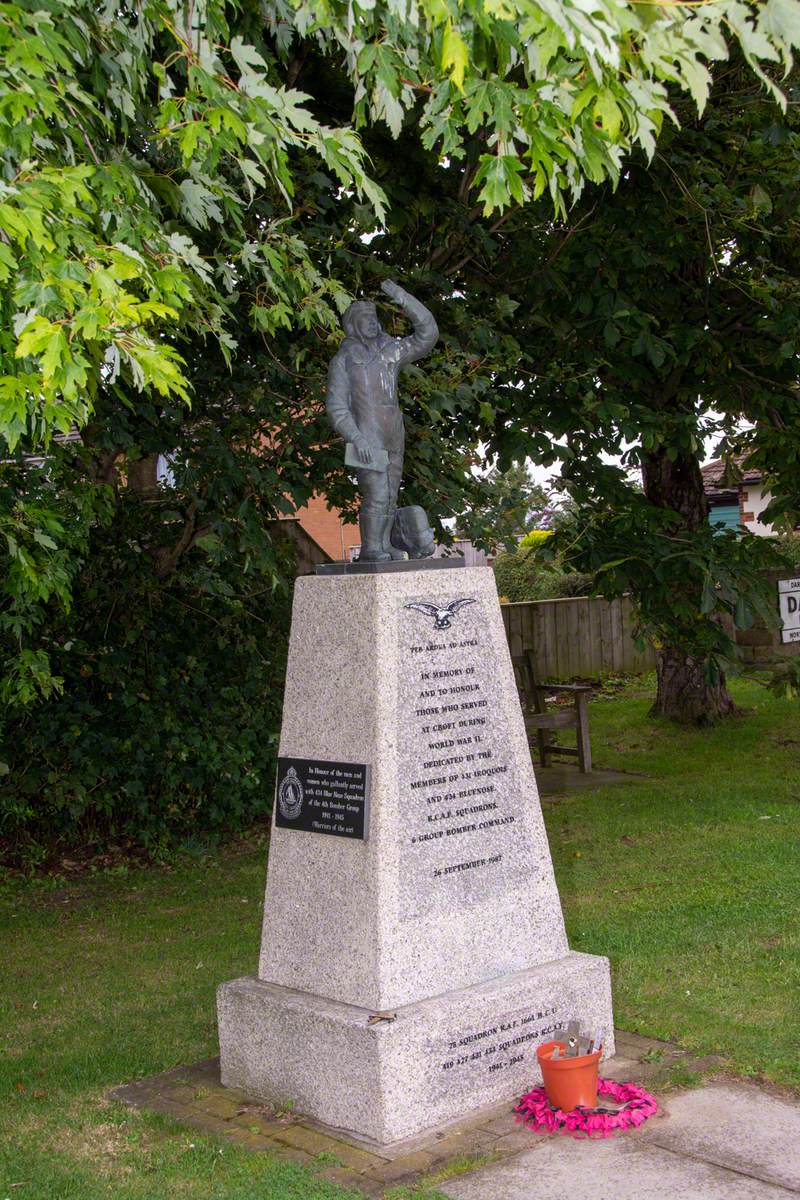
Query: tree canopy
[[657, 317], [187, 188], [131, 133]]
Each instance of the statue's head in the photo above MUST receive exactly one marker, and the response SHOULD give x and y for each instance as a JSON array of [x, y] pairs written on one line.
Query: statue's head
[[361, 320]]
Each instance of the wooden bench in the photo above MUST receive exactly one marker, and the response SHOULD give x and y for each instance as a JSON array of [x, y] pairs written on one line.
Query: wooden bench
[[538, 721]]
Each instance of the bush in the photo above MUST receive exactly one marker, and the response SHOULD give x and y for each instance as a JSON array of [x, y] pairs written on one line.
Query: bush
[[535, 539], [559, 585], [789, 547], [521, 576], [167, 721]]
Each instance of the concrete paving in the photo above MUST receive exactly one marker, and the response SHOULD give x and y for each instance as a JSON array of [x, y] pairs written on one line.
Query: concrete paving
[[720, 1142], [625, 1170], [737, 1126]]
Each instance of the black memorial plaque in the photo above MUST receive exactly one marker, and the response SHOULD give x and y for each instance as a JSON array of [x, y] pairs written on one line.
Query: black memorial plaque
[[322, 797]]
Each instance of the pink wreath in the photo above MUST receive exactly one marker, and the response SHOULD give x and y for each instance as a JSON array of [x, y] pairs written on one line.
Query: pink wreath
[[537, 1113]]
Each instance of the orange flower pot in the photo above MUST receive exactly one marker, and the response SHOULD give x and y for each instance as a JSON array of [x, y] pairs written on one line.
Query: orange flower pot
[[569, 1082]]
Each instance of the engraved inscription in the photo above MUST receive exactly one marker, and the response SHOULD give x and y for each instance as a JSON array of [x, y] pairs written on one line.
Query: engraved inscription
[[478, 1055], [462, 801]]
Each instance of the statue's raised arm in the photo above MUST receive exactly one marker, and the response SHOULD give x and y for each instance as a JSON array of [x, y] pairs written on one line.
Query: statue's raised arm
[[426, 331], [363, 409]]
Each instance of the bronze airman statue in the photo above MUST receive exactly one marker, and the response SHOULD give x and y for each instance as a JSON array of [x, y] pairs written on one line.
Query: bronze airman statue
[[363, 408]]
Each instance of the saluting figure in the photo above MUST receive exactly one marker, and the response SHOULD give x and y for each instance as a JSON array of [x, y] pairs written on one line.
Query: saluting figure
[[362, 407]]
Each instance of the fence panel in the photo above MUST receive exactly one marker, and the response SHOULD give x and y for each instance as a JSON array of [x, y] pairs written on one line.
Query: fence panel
[[579, 636]]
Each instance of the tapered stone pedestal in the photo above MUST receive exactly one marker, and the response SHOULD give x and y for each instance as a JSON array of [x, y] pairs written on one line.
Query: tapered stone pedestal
[[444, 916]]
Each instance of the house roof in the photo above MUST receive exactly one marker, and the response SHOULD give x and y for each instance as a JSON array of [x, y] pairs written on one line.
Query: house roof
[[718, 477]]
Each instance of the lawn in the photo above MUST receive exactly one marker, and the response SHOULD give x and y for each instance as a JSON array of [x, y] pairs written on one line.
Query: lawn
[[687, 879]]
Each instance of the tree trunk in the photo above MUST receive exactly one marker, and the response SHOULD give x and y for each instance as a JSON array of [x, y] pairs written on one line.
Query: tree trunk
[[676, 484], [684, 692]]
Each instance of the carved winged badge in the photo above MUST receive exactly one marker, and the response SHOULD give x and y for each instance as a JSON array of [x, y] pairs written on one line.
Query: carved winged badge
[[441, 616]]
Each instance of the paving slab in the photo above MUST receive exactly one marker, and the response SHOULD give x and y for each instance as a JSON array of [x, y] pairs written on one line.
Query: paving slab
[[734, 1125], [625, 1169]]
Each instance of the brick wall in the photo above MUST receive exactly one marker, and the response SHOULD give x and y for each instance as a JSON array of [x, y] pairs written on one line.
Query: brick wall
[[326, 527], [762, 642]]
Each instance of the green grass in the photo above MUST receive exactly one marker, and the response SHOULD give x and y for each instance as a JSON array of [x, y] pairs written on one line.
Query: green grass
[[687, 879], [108, 980], [426, 1187]]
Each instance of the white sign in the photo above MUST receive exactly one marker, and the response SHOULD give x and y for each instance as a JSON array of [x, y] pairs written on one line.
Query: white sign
[[789, 604]]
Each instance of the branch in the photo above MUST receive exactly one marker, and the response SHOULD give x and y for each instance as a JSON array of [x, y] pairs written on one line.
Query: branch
[[295, 67], [571, 233], [166, 558], [85, 135], [770, 383], [417, 87], [103, 467]]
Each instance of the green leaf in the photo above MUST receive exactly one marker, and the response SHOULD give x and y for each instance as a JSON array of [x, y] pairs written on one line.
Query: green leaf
[[780, 20], [611, 334], [709, 598], [455, 56], [583, 98], [499, 179], [199, 204], [246, 57], [8, 262], [609, 113], [697, 78], [385, 105], [743, 616]]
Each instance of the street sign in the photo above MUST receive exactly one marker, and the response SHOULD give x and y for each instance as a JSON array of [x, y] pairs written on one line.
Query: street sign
[[789, 605]]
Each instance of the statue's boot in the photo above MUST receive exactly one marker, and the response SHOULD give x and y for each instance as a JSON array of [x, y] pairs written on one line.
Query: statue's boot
[[372, 538], [392, 551]]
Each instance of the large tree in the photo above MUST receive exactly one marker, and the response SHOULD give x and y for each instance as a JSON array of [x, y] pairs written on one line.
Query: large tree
[[657, 316], [670, 314], [152, 198], [127, 131]]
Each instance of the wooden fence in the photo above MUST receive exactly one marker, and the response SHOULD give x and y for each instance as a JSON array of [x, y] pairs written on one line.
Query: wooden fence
[[577, 637]]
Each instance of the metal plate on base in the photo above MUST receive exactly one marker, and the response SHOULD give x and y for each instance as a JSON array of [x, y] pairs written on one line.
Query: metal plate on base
[[317, 796]]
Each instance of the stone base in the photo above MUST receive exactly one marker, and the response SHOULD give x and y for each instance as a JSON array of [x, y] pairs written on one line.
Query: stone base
[[438, 1060], [400, 566]]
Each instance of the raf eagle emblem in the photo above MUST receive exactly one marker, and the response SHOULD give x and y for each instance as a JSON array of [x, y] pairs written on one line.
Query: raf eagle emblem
[[441, 616]]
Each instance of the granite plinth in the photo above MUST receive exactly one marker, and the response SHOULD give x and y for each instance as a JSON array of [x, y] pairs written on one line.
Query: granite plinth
[[390, 568], [435, 1061], [447, 910], [454, 884]]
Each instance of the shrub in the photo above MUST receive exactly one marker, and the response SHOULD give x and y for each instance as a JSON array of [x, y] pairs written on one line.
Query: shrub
[[167, 721], [535, 539], [521, 576], [789, 546]]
